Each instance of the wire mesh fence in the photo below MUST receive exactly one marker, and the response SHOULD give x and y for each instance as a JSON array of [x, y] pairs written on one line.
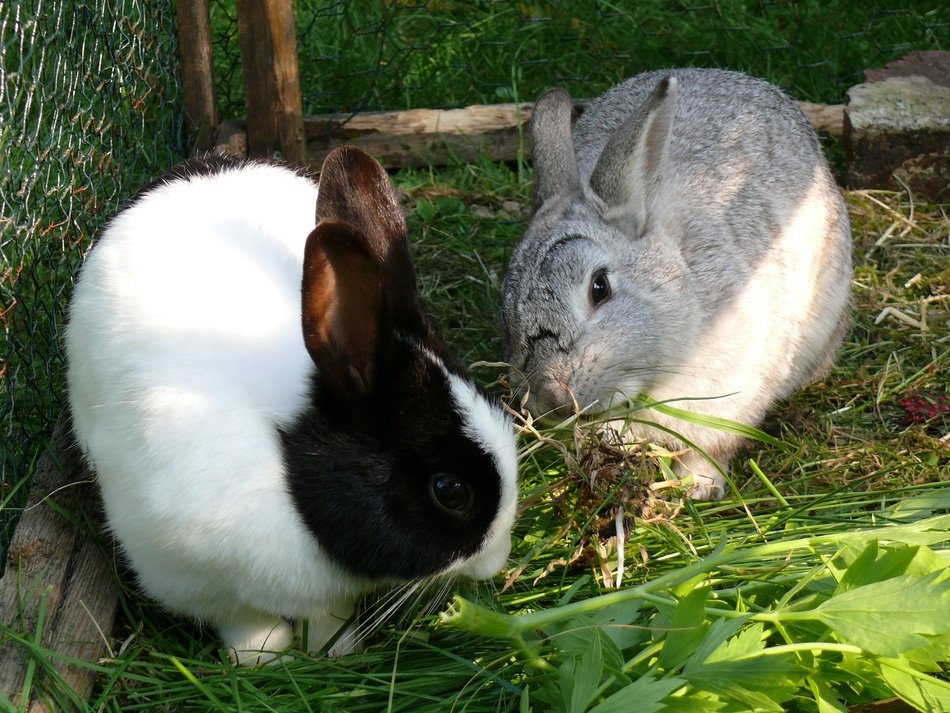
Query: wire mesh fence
[[89, 109]]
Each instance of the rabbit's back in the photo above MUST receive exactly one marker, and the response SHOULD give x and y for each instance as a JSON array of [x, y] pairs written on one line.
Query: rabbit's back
[[749, 194], [720, 116], [191, 302], [198, 284]]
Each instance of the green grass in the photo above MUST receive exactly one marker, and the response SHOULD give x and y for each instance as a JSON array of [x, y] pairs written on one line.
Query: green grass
[[859, 453], [860, 448], [398, 54]]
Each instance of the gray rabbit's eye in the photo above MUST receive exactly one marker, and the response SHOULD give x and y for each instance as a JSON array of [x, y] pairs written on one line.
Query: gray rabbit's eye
[[451, 494], [599, 287]]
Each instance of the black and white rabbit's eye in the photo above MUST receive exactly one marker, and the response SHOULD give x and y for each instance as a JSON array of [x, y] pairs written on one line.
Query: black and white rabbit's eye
[[599, 288], [451, 494]]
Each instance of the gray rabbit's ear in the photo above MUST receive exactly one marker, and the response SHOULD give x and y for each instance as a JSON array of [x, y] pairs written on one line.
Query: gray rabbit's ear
[[555, 165], [634, 160]]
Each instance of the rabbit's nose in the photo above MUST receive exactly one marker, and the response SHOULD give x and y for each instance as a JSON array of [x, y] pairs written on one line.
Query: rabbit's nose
[[551, 400]]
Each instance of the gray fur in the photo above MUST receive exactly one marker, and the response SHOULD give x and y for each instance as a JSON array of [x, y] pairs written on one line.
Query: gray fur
[[710, 205]]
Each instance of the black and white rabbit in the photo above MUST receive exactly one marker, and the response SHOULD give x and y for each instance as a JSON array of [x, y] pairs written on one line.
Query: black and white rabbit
[[272, 418], [688, 243]]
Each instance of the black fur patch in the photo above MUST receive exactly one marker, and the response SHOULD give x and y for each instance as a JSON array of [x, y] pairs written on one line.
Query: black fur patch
[[360, 473]]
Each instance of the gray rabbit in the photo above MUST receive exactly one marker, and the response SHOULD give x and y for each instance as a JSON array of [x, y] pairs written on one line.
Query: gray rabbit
[[688, 243]]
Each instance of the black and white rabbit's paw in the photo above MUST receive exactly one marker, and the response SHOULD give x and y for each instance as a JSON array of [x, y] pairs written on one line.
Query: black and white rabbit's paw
[[334, 622], [253, 638]]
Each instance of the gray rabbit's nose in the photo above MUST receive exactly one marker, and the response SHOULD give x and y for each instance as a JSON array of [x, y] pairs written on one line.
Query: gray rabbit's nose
[[551, 400]]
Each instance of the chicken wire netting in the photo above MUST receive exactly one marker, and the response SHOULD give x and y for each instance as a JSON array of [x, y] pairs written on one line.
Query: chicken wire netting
[[90, 110]]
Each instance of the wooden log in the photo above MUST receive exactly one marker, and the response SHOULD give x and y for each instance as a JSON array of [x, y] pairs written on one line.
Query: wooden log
[[432, 137], [57, 587], [271, 81], [422, 137], [197, 72]]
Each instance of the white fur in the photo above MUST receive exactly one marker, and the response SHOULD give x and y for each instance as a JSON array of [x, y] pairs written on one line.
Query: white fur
[[487, 425], [177, 377]]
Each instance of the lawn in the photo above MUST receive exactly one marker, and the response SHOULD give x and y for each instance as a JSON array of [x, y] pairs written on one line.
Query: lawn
[[821, 582]]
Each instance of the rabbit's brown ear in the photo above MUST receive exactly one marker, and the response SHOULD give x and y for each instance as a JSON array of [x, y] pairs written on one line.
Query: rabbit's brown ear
[[356, 191], [342, 306], [555, 165], [635, 158], [359, 284]]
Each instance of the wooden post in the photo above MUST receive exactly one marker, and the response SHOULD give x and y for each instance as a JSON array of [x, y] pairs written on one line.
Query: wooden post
[[58, 589], [197, 72], [271, 81]]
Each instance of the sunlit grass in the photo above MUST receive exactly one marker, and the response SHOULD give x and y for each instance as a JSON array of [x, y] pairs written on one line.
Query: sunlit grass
[[853, 447]]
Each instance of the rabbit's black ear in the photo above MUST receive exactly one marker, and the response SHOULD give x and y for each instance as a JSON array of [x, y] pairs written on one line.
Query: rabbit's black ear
[[555, 165], [635, 158]]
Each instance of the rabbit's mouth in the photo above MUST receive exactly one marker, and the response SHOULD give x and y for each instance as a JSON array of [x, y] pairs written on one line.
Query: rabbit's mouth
[[554, 400]]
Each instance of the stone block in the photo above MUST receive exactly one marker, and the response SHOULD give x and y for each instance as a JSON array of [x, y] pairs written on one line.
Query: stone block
[[897, 126]]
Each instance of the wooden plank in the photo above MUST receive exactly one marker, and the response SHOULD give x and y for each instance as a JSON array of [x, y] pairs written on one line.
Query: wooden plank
[[55, 568], [271, 81], [432, 137], [197, 72]]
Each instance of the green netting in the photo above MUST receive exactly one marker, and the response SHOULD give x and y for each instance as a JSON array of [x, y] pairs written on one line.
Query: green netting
[[89, 110]]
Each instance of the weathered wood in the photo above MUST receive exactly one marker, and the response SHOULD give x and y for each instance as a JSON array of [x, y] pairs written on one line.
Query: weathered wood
[[422, 137], [197, 72], [55, 567], [431, 137], [271, 81], [826, 118]]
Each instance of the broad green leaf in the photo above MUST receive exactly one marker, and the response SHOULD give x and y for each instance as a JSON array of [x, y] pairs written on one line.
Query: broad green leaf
[[854, 568], [686, 628], [693, 700], [933, 657], [587, 675], [920, 506], [426, 210], [825, 697], [446, 205], [620, 623], [868, 567], [931, 531], [718, 633], [744, 644], [924, 692], [890, 617], [576, 640], [740, 669], [645, 695]]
